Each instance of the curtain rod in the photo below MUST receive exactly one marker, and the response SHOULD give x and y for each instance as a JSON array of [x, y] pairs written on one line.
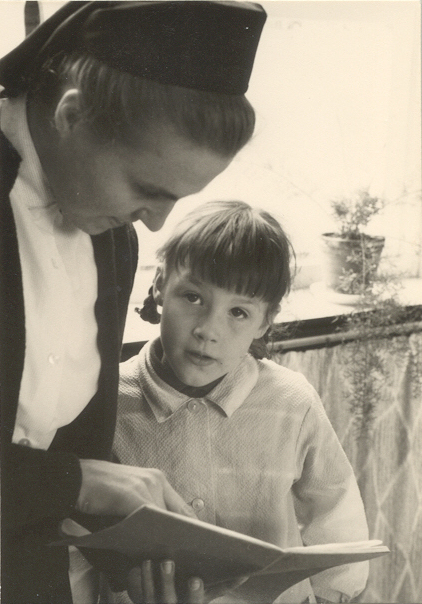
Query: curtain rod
[[345, 336]]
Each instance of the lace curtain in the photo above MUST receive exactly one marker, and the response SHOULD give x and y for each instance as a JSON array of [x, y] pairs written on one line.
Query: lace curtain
[[387, 456]]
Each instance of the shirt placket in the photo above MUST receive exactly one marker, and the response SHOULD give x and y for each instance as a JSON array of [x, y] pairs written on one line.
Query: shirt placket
[[202, 483], [55, 328]]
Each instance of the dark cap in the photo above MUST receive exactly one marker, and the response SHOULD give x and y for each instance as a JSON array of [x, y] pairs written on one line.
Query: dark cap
[[198, 44]]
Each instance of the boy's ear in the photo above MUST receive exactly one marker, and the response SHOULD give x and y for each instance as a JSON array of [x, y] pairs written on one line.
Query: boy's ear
[[269, 320], [158, 286], [68, 111], [274, 314], [262, 330]]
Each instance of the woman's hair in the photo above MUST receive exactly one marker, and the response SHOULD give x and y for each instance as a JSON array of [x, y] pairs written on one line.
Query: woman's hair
[[118, 106], [233, 246]]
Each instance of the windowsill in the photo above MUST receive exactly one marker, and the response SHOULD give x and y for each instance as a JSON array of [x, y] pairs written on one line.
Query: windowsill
[[314, 303], [302, 305]]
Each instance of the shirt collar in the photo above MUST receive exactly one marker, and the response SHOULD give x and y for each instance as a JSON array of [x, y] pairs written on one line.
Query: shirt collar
[[164, 400], [14, 124]]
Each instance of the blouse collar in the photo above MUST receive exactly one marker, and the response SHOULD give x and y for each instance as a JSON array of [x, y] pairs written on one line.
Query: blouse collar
[[165, 400]]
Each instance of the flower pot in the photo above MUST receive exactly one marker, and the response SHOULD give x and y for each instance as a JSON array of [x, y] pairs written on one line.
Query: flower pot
[[350, 264]]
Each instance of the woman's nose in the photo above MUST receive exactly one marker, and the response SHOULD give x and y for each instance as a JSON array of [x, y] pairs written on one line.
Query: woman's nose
[[154, 220]]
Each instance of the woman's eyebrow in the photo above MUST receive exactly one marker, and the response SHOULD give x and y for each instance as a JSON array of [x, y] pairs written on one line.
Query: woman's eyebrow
[[155, 192]]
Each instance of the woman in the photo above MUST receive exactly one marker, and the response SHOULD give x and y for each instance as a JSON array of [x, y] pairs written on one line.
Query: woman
[[112, 111]]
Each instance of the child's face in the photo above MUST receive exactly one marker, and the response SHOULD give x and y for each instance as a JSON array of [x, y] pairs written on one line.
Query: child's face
[[206, 330]]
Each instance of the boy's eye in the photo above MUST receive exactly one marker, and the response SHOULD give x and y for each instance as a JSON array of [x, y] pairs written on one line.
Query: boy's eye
[[192, 298], [238, 313]]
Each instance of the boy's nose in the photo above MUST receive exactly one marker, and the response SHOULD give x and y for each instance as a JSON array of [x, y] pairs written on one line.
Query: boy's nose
[[207, 330], [204, 334]]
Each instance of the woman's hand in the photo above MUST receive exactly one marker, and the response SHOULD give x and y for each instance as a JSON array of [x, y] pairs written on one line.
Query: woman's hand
[[117, 490], [142, 589], [111, 489]]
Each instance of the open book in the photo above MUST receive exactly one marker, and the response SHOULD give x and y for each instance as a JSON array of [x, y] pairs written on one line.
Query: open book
[[214, 553]]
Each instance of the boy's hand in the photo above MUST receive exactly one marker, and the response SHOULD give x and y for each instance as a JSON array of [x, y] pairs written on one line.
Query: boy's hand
[[117, 490], [142, 590]]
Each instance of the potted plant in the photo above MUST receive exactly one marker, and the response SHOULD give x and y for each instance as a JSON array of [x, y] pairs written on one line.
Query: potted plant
[[351, 255]]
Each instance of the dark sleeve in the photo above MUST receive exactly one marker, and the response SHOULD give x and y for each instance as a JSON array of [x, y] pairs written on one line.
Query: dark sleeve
[[39, 485]]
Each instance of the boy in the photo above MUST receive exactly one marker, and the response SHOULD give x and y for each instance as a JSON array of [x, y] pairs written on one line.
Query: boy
[[245, 441]]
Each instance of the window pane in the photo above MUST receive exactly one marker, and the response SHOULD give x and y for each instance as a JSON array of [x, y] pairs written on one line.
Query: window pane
[[336, 87]]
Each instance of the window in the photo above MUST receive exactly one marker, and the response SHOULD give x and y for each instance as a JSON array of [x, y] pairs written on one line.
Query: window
[[336, 87]]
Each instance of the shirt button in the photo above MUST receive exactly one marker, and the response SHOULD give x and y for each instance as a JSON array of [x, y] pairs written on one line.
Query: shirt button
[[25, 442], [193, 406], [198, 504], [53, 359]]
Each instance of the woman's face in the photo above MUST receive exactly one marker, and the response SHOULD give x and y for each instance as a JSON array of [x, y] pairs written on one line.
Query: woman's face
[[102, 186]]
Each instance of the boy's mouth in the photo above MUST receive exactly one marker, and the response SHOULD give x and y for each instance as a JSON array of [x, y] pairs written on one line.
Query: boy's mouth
[[200, 359]]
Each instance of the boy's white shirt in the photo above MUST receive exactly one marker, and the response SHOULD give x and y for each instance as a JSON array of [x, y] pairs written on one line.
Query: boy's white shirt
[[240, 450]]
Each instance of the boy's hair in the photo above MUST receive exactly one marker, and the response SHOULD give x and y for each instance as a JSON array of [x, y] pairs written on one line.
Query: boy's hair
[[233, 246], [117, 105]]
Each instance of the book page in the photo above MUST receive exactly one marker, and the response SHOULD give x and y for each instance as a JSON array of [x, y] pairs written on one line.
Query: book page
[[214, 553]]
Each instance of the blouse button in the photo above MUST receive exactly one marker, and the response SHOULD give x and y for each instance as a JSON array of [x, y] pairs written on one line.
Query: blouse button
[[198, 504], [25, 442], [53, 359], [193, 406]]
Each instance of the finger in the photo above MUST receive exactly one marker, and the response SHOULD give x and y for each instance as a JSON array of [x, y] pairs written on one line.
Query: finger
[[167, 582], [148, 582], [134, 585], [174, 503], [196, 592]]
